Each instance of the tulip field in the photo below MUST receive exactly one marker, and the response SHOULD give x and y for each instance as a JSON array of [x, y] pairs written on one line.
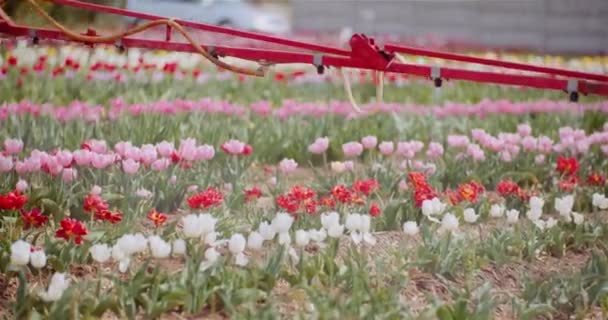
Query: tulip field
[[145, 185]]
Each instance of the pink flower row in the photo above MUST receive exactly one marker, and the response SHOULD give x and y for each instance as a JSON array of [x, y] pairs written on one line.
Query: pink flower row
[[96, 154], [506, 144], [81, 111]]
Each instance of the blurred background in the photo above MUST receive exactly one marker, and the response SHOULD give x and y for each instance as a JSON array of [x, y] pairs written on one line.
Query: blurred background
[[544, 26]]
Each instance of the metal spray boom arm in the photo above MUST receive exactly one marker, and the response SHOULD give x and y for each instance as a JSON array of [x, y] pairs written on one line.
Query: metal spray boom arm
[[364, 53]]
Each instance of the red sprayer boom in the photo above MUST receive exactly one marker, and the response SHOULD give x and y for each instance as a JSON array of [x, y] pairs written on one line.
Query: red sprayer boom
[[364, 52]]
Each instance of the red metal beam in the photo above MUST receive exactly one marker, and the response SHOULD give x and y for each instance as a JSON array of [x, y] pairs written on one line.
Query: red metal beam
[[496, 63]]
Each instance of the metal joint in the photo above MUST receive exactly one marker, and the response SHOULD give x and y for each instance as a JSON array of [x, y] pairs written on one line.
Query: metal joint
[[317, 59], [572, 86], [435, 72]]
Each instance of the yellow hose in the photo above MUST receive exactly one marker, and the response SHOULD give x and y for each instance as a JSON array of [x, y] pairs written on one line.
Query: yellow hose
[[137, 29]]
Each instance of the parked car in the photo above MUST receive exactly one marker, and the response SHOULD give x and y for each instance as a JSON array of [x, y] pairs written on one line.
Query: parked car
[[239, 14]]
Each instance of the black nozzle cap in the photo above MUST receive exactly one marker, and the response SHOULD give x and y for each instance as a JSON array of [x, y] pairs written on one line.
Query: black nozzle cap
[[320, 69], [438, 82]]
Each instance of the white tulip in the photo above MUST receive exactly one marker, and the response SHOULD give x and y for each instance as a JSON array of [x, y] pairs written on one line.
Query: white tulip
[[100, 253], [266, 231], [302, 238], [330, 219], [335, 231], [600, 201], [577, 218], [211, 239], [192, 226], [359, 226], [211, 255], [255, 241], [470, 216], [237, 243], [282, 223], [512, 216], [564, 205], [536, 203], [432, 207], [123, 264], [207, 222], [534, 214], [410, 228], [550, 223], [449, 223], [57, 286], [497, 210], [159, 248], [20, 253], [179, 247], [317, 235], [38, 259]]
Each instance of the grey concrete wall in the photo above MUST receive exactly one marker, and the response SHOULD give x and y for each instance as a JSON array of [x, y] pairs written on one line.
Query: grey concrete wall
[[544, 25]]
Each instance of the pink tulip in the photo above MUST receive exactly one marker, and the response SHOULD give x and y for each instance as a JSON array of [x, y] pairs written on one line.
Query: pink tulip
[[287, 166], [435, 150], [13, 146], [21, 167], [475, 152], [529, 143], [122, 147], [173, 180], [187, 149], [96, 190], [82, 157], [101, 161], [97, 146], [160, 164], [165, 149], [205, 152], [64, 157], [369, 142], [148, 154], [6, 164], [192, 188], [524, 130], [349, 165], [132, 152], [386, 148], [458, 141], [69, 175], [130, 166], [539, 159], [352, 149], [21, 185], [319, 146], [233, 147]]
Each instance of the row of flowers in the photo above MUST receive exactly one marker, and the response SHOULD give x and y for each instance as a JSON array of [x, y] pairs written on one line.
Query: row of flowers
[[478, 146], [118, 108], [199, 231]]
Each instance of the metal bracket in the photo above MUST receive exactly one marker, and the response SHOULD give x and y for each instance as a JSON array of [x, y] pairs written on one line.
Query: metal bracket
[[435, 72], [572, 90], [34, 35], [572, 86], [119, 45], [317, 61], [436, 76]]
